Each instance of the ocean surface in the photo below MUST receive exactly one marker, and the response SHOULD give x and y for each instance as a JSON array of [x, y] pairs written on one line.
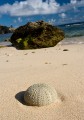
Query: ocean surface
[[72, 30], [74, 33], [4, 37]]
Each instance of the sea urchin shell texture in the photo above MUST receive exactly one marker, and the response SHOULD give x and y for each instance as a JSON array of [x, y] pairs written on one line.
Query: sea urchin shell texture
[[40, 95]]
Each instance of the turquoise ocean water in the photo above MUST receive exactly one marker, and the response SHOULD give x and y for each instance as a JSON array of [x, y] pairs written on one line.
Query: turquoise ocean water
[[3, 37], [71, 31]]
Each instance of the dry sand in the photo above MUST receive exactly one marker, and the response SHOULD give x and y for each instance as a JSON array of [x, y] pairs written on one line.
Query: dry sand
[[63, 70]]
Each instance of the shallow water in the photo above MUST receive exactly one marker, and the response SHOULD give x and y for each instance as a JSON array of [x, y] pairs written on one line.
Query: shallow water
[[4, 37], [73, 40], [73, 30]]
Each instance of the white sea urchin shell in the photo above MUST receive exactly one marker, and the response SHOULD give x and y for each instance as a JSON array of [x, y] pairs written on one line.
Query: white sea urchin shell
[[40, 95]]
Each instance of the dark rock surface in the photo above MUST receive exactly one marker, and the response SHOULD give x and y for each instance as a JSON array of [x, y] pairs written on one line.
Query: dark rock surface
[[5, 29], [36, 35]]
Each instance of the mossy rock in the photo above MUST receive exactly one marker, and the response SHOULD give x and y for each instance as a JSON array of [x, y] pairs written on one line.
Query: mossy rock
[[40, 95], [36, 35]]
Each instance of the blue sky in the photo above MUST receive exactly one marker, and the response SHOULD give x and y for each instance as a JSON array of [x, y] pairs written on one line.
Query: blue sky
[[20, 12]]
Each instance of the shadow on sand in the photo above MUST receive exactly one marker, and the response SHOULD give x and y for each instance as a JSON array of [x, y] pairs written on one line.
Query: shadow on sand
[[20, 97]]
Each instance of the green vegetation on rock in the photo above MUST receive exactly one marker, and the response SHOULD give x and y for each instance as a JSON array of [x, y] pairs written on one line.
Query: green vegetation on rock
[[19, 40], [36, 35]]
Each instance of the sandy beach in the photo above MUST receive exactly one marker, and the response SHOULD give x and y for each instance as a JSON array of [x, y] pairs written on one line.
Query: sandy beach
[[61, 66]]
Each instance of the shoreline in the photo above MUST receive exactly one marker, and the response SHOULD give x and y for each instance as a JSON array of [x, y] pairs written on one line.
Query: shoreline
[[5, 44], [73, 40], [65, 41]]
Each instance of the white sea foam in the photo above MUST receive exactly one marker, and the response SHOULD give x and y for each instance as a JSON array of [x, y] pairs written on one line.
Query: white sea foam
[[73, 40]]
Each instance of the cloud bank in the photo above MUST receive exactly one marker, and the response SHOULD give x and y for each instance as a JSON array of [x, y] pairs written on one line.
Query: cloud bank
[[38, 7], [30, 7]]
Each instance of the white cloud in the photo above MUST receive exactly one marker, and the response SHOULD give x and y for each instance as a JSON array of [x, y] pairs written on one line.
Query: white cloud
[[71, 6], [31, 7], [73, 1], [62, 15], [52, 21], [19, 19]]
